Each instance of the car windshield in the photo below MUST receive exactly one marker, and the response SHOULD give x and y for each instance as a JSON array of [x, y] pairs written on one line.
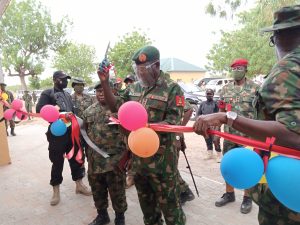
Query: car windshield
[[212, 82], [190, 88]]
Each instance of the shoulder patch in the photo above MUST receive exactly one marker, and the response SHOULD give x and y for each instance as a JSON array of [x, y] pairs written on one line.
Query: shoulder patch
[[180, 100]]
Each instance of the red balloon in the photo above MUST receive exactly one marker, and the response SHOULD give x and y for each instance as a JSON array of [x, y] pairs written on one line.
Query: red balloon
[[17, 104], [9, 113], [49, 113], [132, 115]]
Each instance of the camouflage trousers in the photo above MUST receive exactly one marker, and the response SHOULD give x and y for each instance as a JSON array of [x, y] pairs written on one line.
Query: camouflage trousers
[[183, 186], [112, 182], [228, 145], [157, 195], [271, 211]]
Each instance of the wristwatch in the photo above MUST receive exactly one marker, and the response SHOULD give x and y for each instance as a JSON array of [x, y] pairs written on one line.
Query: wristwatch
[[231, 117]]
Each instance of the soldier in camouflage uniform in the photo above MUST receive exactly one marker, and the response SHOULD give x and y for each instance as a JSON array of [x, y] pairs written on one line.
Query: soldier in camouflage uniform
[[103, 174], [80, 100], [28, 102], [276, 116], [9, 100], [155, 177], [237, 96]]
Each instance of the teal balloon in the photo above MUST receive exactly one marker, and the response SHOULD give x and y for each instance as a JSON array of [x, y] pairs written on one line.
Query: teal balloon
[[283, 177], [242, 168], [58, 128]]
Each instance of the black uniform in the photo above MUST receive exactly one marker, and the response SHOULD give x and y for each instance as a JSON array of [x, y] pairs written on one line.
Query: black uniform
[[58, 146]]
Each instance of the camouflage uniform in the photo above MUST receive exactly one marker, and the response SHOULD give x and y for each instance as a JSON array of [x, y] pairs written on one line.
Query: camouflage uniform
[[81, 103], [28, 102], [155, 178], [240, 98], [281, 83], [9, 100], [103, 174]]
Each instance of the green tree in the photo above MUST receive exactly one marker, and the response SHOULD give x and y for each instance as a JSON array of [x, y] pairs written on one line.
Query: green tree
[[120, 55], [34, 82], [247, 42], [27, 36], [47, 83], [77, 60]]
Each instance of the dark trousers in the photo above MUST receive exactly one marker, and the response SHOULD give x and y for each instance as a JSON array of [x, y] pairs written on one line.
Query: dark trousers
[[58, 146], [213, 140]]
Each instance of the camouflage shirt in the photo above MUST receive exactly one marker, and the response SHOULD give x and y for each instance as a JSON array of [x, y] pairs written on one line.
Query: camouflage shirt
[[163, 103], [27, 98], [278, 99], [240, 98], [81, 103], [105, 136]]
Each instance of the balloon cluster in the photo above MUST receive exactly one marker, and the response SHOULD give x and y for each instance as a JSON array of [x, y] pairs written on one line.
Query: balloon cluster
[[142, 141], [243, 168], [16, 110], [51, 114]]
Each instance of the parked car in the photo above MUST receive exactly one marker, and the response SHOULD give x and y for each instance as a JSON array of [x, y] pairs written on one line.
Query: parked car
[[217, 84], [194, 95], [203, 82]]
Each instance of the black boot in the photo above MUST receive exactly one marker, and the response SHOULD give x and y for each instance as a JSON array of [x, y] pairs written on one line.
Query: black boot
[[120, 219], [246, 205], [12, 131], [7, 133], [226, 198], [186, 196], [101, 219]]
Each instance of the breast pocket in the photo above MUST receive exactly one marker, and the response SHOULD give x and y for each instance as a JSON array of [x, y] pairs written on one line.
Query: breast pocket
[[156, 109], [247, 107]]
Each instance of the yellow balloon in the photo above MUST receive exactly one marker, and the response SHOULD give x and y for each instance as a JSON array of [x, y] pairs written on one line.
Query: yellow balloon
[[4, 96], [143, 142]]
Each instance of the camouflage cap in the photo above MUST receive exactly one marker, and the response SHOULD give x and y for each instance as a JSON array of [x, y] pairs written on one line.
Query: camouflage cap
[[98, 84], [77, 81], [284, 18], [146, 54]]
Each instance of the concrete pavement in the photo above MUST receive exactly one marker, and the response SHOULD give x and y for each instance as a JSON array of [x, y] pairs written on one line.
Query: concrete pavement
[[25, 191]]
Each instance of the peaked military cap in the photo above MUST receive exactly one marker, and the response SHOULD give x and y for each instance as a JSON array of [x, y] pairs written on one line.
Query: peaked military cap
[[284, 18], [77, 81], [146, 54], [98, 84]]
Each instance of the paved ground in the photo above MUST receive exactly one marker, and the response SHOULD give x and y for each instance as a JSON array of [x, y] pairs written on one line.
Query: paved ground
[[25, 191]]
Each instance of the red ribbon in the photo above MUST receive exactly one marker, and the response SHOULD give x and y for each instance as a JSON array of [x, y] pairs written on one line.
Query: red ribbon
[[265, 146]]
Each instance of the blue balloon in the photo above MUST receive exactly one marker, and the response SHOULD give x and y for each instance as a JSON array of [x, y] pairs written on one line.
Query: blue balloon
[[58, 128], [242, 168], [283, 177]]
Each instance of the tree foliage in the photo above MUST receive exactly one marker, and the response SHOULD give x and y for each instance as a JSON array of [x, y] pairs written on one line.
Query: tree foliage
[[47, 83], [34, 82], [77, 61], [120, 55], [247, 42], [27, 36]]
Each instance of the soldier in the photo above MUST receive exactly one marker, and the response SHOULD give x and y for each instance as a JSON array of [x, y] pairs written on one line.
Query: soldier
[[129, 79], [34, 97], [104, 175], [237, 97], [61, 145], [81, 101], [9, 100], [276, 116], [207, 107], [28, 102], [155, 177]]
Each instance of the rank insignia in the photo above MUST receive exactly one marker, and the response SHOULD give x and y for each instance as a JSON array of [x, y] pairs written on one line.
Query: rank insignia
[[180, 100], [142, 58]]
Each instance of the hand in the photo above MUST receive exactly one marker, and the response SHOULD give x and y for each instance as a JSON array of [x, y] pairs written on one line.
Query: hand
[[103, 70], [204, 122]]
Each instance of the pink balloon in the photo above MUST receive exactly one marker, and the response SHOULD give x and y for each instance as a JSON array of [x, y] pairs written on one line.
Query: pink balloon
[[132, 115], [21, 116], [49, 113], [9, 113], [17, 104]]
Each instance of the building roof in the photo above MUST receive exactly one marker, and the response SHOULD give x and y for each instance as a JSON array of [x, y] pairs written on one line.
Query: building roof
[[177, 65]]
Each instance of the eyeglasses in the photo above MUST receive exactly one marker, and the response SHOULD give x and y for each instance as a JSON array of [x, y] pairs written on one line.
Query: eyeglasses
[[238, 68], [144, 66]]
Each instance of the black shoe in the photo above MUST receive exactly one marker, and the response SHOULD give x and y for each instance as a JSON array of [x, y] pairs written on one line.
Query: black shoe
[[226, 198], [12, 132], [186, 196], [120, 219], [246, 205], [101, 219]]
